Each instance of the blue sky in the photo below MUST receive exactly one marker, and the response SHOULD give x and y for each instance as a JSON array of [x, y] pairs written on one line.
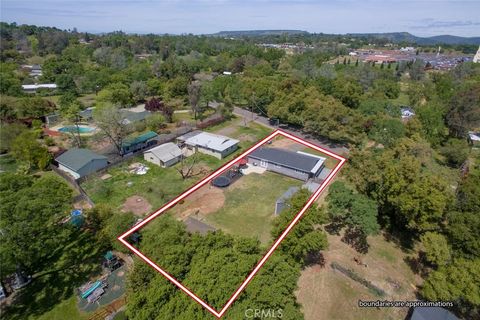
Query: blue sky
[[423, 18]]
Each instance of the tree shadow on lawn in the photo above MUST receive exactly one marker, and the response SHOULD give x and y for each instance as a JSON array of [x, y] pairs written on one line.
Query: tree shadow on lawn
[[79, 260]]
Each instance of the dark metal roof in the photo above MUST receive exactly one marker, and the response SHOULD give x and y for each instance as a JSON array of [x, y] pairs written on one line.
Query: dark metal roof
[[292, 160], [75, 158]]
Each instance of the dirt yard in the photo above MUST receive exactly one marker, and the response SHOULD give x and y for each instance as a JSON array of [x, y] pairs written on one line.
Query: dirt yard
[[287, 144], [203, 201], [328, 294], [138, 205]]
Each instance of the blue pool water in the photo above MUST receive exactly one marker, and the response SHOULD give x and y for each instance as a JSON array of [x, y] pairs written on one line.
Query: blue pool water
[[69, 129]]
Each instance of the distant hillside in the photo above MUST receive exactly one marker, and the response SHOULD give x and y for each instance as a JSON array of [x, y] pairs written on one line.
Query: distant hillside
[[395, 37], [408, 37], [256, 33]]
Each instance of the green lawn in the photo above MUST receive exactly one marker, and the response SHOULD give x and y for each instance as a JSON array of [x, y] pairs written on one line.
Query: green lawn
[[158, 186], [250, 204]]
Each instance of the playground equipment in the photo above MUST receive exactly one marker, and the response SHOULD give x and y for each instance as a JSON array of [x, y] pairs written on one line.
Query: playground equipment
[[111, 262], [76, 218]]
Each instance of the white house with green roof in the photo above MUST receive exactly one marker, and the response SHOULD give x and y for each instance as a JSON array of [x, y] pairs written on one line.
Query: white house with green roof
[[80, 162]]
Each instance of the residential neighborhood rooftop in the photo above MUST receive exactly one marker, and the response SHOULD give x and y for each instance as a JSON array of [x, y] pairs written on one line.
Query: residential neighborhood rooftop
[[139, 139], [295, 160], [77, 158], [211, 141], [166, 151]]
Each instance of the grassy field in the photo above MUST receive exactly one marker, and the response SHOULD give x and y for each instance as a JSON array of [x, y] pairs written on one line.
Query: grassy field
[[158, 186], [328, 294], [250, 203]]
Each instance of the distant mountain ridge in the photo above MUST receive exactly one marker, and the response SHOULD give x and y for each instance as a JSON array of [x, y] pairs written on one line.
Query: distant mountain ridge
[[408, 37], [256, 33], [395, 37]]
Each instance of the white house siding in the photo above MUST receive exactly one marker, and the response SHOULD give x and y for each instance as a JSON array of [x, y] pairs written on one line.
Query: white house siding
[[228, 151], [210, 152], [67, 170], [151, 158], [279, 169]]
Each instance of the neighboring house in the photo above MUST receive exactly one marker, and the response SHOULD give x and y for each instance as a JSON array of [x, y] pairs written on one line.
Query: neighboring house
[[80, 162], [87, 114], [281, 202], [476, 58], [131, 117], [52, 119], [143, 141], [164, 155], [32, 88], [407, 113], [432, 313], [298, 165], [474, 139], [35, 71], [209, 143]]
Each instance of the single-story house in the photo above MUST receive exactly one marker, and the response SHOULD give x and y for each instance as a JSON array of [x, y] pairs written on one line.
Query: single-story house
[[407, 113], [143, 141], [80, 162], [209, 143], [281, 202], [298, 165], [32, 88], [131, 117], [52, 119], [432, 313], [474, 138], [164, 155], [87, 114]]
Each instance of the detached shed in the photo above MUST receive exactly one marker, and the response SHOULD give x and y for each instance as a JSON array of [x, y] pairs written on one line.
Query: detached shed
[[164, 155], [281, 202]]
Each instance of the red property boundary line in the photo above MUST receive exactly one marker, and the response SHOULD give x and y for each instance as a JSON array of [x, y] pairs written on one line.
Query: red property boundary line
[[207, 179]]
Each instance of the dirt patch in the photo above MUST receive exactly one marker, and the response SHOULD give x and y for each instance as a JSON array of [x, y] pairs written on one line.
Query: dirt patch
[[138, 205], [287, 144], [207, 199], [226, 131], [247, 137]]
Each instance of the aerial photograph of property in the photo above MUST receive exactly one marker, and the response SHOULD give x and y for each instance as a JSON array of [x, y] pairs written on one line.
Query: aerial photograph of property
[[239, 160]]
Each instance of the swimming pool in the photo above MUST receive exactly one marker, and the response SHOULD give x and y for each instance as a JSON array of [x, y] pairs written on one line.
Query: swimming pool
[[73, 129]]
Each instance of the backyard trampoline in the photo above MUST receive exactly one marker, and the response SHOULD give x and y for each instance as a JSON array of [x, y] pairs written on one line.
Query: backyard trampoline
[[222, 181], [227, 178]]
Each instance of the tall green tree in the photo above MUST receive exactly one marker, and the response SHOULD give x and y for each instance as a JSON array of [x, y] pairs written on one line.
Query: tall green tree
[[30, 218]]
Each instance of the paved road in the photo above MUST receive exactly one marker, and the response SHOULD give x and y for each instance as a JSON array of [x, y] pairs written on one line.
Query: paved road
[[322, 142]]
